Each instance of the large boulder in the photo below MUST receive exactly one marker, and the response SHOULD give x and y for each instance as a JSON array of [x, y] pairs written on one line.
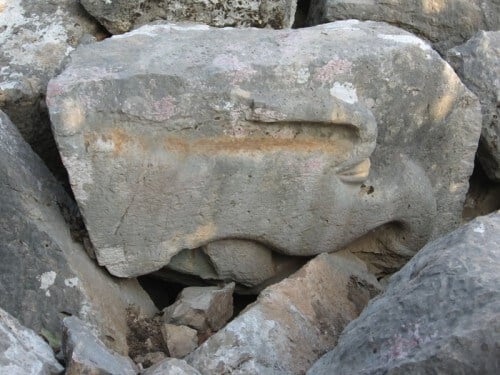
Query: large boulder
[[477, 62], [22, 351], [439, 315], [44, 274], [268, 136], [36, 39], [119, 16], [445, 23], [293, 322]]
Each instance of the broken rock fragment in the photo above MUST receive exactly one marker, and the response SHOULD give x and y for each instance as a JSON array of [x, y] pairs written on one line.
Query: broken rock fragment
[[86, 354], [439, 314], [202, 308], [293, 322], [171, 366], [22, 351], [180, 340], [477, 62], [44, 274]]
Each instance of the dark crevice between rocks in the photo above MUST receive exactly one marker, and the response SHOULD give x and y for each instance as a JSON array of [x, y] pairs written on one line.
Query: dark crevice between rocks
[[483, 196], [301, 14]]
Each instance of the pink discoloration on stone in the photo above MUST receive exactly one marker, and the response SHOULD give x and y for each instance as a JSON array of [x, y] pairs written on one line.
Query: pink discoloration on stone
[[164, 108], [237, 70], [54, 88], [327, 72], [401, 345]]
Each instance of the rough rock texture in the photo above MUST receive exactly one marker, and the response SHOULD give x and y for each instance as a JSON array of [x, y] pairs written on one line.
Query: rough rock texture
[[36, 38], [440, 314], [477, 62], [22, 352], [263, 135], [445, 23], [180, 340], [86, 354], [119, 16], [201, 308], [292, 323], [171, 366], [44, 274]]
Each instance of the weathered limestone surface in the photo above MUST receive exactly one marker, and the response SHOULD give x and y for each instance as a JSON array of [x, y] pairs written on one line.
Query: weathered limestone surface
[[36, 38], [171, 366], [299, 140], [22, 352], [86, 354], [44, 274], [119, 16], [445, 23], [439, 315], [292, 323], [477, 62]]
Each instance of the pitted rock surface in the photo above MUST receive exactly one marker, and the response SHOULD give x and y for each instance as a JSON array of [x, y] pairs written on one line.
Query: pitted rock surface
[[119, 16], [299, 140], [36, 38]]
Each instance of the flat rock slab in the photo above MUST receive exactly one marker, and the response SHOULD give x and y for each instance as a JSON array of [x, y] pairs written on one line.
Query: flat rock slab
[[86, 354], [445, 23], [22, 351], [299, 140], [119, 16], [36, 39], [44, 274], [440, 314], [477, 62], [292, 323]]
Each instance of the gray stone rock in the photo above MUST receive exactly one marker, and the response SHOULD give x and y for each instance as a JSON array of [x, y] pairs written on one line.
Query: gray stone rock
[[202, 308], [149, 359], [171, 366], [22, 351], [477, 62], [119, 16], [292, 323], [251, 265], [36, 39], [86, 354], [300, 140], [44, 274], [439, 315], [445, 23], [180, 340]]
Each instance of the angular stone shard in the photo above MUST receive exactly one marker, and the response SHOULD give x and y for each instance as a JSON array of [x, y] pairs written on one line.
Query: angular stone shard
[[439, 314], [119, 16], [36, 38], [477, 62], [180, 340], [293, 322], [22, 351], [263, 135], [86, 354], [44, 274], [202, 308], [171, 366], [445, 23]]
